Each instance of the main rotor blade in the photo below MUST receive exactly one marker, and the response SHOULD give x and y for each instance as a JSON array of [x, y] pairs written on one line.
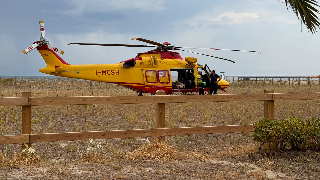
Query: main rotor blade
[[126, 45], [208, 55], [42, 31], [30, 48], [218, 49], [148, 41]]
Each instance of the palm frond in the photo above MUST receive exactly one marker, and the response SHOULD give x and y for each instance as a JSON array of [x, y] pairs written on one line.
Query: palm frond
[[306, 11]]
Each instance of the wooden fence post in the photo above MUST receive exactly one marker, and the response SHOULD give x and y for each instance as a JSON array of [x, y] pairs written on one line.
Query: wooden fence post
[[26, 118], [269, 107], [161, 115]]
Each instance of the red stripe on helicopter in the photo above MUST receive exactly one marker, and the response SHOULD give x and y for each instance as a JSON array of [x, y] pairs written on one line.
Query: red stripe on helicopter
[[153, 88]]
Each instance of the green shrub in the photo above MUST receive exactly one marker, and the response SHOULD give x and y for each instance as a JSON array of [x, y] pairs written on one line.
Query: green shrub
[[292, 133], [6, 79]]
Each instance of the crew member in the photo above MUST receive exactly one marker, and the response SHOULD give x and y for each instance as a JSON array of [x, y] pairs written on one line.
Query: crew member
[[200, 83], [215, 78]]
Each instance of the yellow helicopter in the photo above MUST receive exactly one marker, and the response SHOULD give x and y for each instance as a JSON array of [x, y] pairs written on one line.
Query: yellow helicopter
[[146, 73]]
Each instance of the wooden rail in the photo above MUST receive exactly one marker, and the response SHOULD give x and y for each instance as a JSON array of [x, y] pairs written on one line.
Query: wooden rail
[[27, 101], [87, 100], [72, 136]]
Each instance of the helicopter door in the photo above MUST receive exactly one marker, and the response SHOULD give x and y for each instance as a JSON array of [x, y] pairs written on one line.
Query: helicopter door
[[185, 79], [156, 80], [164, 76]]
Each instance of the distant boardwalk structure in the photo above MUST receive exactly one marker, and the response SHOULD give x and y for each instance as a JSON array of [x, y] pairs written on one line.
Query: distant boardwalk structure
[[38, 79], [274, 79]]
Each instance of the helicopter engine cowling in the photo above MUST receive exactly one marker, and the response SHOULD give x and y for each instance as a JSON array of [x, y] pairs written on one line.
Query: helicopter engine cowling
[[129, 64], [191, 59]]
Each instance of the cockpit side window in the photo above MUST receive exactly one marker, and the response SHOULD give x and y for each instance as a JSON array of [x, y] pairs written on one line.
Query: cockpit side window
[[151, 76]]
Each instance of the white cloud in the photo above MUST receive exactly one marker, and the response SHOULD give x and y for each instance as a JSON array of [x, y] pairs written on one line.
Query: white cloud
[[283, 18], [99, 6], [234, 18], [210, 18]]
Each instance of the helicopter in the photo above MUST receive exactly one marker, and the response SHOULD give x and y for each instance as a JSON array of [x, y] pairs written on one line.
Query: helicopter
[[148, 72]]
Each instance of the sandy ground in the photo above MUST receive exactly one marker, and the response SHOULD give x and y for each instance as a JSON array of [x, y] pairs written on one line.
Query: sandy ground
[[220, 156]]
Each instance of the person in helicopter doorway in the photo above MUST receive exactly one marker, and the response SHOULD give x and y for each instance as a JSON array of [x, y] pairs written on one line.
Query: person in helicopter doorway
[[200, 83], [215, 78]]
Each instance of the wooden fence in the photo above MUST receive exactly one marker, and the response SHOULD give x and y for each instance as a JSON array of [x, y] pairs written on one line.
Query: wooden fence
[[27, 101]]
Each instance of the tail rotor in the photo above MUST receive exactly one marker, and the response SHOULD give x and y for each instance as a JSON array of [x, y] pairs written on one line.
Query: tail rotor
[[55, 49], [30, 48], [42, 42]]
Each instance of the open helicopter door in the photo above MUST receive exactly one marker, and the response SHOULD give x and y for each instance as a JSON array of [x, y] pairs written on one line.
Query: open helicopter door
[[157, 80], [185, 80], [206, 76]]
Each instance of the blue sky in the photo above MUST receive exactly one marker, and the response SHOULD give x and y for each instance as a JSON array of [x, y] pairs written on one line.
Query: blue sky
[[262, 25]]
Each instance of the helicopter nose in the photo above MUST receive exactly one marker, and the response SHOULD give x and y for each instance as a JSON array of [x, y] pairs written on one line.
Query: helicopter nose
[[223, 83]]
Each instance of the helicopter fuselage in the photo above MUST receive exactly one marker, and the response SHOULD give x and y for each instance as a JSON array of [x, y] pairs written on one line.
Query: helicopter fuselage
[[146, 73]]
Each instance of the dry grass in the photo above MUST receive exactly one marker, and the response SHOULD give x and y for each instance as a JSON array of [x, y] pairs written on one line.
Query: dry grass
[[24, 158], [181, 157], [163, 152]]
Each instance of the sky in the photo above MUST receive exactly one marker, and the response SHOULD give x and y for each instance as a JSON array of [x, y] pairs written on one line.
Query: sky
[[266, 26]]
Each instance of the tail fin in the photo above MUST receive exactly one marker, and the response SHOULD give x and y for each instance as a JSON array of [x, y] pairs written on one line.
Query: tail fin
[[55, 63]]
